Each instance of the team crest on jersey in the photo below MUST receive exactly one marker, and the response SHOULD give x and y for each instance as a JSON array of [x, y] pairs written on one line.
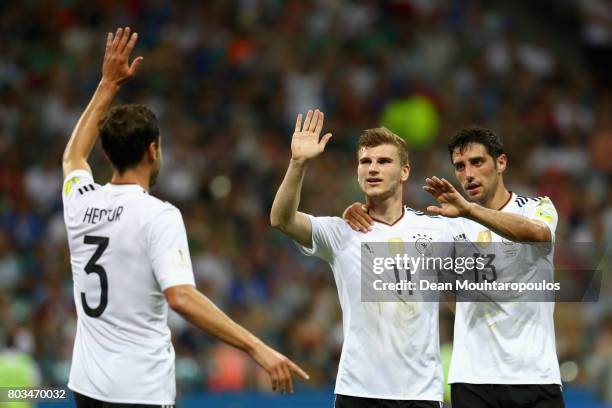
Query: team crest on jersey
[[69, 184], [484, 238], [423, 244]]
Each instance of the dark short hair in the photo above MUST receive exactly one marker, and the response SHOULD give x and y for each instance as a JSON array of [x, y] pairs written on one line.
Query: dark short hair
[[126, 131], [474, 134], [381, 135]]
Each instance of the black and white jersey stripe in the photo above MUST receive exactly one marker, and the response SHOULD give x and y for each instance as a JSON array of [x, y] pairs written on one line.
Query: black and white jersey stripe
[[521, 200], [421, 213], [86, 188]]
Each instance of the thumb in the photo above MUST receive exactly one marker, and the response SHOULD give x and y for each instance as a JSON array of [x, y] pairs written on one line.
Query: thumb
[[135, 65], [294, 367], [325, 139], [434, 210]]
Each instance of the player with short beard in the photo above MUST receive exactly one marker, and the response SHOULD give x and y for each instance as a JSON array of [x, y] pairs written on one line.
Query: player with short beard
[[130, 258]]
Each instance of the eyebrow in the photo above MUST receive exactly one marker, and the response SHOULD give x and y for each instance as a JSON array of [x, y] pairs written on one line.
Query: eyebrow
[[377, 158], [483, 158]]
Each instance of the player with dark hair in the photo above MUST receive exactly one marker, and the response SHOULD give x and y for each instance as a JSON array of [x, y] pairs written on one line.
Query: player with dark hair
[[125, 132], [130, 258], [390, 355], [504, 353]]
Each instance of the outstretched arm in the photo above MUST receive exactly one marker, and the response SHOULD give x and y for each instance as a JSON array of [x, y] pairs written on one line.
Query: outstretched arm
[[115, 71], [305, 145], [200, 311], [510, 226]]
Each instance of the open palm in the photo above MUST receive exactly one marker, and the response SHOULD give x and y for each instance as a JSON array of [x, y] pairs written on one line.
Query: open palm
[[452, 203], [305, 143], [116, 67]]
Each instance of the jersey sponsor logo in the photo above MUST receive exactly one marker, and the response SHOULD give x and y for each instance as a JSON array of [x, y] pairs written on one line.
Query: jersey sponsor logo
[[69, 185], [484, 238]]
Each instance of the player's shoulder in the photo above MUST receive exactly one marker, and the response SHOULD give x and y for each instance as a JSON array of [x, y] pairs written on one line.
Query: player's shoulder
[[153, 207], [78, 183], [428, 223], [521, 201], [331, 222], [421, 218]]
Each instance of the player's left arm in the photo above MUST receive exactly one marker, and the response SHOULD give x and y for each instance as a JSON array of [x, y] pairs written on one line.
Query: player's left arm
[[515, 227], [115, 71]]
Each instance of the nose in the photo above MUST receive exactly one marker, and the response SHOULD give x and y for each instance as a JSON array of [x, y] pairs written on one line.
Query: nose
[[468, 173], [373, 169]]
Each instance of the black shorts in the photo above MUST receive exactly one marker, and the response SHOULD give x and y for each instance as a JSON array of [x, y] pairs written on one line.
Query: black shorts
[[506, 396], [83, 401], [345, 401]]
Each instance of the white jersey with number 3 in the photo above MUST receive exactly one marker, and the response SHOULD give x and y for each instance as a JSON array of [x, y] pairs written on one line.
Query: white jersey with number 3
[[507, 342], [126, 248]]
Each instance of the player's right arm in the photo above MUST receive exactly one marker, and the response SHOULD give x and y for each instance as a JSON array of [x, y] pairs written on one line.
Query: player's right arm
[[196, 308], [305, 146], [115, 71]]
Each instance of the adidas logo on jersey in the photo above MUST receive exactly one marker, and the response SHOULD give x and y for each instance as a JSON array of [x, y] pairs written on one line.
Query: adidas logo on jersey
[[460, 238]]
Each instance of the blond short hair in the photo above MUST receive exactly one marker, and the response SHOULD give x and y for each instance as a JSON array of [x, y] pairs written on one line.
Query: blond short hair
[[381, 135]]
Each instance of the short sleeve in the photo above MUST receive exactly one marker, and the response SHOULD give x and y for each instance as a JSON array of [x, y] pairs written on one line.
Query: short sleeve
[[169, 250], [327, 237], [76, 184], [544, 211]]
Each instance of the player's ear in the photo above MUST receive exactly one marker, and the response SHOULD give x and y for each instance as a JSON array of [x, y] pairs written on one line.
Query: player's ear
[[501, 162], [152, 151], [405, 172]]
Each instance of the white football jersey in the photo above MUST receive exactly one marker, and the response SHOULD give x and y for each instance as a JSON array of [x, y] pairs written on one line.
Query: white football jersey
[[507, 342], [126, 248], [391, 350]]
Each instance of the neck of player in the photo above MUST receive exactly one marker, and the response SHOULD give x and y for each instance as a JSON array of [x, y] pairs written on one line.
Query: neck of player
[[136, 175], [499, 199], [386, 210]]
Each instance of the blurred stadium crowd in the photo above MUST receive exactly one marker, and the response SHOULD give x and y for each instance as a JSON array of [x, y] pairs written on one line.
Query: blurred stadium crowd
[[227, 79]]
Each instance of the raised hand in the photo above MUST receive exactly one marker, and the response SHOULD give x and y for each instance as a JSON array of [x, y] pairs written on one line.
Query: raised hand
[[305, 143], [279, 368], [452, 204], [116, 68]]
